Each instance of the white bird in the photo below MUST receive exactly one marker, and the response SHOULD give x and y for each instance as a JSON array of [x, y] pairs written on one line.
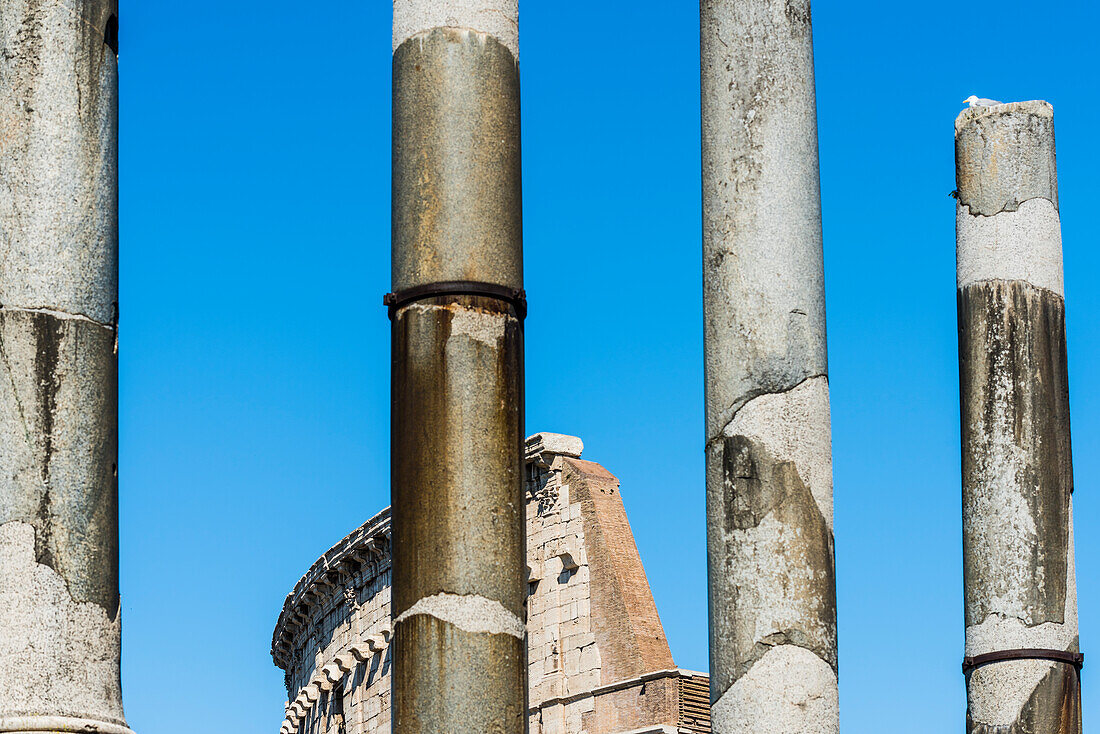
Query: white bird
[[976, 101]]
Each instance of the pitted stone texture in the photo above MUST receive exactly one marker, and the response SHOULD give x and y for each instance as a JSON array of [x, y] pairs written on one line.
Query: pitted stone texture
[[998, 693], [58, 158], [795, 425], [1016, 462], [1004, 156], [1025, 244], [1053, 706], [497, 18], [554, 444], [788, 691], [764, 303], [58, 656], [58, 447], [486, 328], [771, 556], [457, 209]]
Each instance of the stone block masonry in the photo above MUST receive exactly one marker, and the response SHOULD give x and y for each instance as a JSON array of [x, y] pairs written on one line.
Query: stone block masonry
[[1018, 565], [59, 603]]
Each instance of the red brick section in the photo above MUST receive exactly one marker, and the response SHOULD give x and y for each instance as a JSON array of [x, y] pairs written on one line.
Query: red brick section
[[628, 631], [640, 706], [694, 703]]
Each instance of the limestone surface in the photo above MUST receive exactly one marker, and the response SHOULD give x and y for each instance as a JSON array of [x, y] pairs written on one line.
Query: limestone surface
[[497, 18], [59, 603], [1020, 585], [769, 467]]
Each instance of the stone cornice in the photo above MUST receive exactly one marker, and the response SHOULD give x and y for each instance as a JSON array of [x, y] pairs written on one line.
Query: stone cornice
[[369, 543]]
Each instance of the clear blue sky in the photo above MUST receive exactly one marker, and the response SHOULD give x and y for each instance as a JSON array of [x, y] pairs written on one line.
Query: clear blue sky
[[255, 165]]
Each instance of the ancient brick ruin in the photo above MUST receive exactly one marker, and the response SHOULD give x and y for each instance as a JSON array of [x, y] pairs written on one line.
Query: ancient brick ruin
[[598, 659]]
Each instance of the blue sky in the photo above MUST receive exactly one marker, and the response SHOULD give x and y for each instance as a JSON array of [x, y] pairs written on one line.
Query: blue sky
[[255, 180]]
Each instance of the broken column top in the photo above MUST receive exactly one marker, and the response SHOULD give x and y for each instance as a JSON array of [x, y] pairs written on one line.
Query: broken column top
[[1005, 156], [1007, 216], [552, 444]]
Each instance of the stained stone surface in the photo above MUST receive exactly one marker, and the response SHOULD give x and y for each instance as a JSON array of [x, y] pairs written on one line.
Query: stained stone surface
[[457, 212], [769, 467], [1020, 585], [496, 18], [457, 383], [59, 157], [59, 604]]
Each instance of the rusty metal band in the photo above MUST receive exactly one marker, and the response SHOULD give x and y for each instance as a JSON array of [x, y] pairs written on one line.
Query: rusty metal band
[[1076, 659], [515, 296]]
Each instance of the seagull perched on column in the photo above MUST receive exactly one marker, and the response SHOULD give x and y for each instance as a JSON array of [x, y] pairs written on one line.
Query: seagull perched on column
[[976, 101]]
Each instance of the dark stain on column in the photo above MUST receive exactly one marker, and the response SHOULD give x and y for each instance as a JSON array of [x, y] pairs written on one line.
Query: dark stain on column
[[459, 513], [758, 486], [48, 338], [1013, 369], [63, 376], [1054, 707]]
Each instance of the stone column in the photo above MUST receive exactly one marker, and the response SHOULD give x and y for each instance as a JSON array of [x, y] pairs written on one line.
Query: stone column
[[457, 373], [773, 659], [59, 602], [1020, 590]]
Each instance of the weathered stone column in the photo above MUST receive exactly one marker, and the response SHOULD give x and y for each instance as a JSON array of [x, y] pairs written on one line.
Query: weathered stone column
[[1020, 590], [773, 661], [60, 625], [457, 375]]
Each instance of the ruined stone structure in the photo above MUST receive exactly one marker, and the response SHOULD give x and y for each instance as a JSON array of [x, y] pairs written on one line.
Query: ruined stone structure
[[768, 441], [60, 619], [1022, 657], [597, 655]]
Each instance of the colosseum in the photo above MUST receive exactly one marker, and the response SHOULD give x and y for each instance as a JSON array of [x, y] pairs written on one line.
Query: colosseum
[[598, 659]]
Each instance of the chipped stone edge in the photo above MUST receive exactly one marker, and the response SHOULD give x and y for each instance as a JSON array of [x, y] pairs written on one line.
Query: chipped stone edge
[[998, 632], [21, 721], [481, 326], [469, 612], [730, 428], [761, 418], [725, 712], [63, 315], [415, 17], [1038, 107]]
